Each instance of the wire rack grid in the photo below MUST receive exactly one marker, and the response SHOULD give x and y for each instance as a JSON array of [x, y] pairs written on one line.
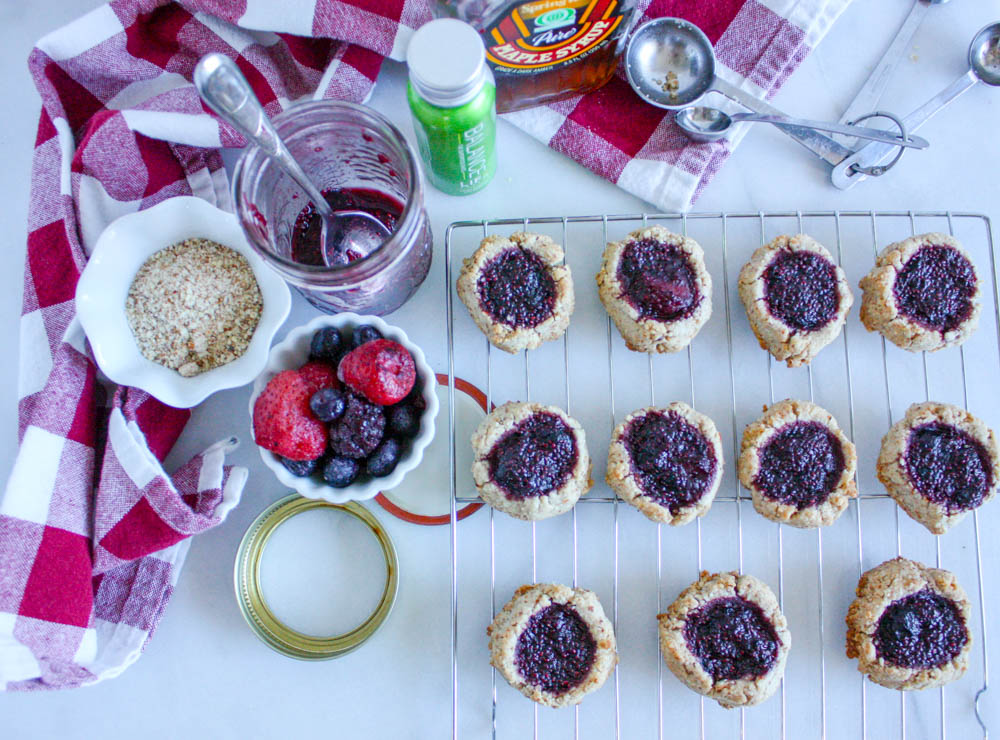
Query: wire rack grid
[[864, 380]]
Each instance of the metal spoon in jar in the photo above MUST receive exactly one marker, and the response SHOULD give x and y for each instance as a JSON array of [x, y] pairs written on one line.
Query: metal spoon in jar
[[222, 85], [702, 123], [984, 66]]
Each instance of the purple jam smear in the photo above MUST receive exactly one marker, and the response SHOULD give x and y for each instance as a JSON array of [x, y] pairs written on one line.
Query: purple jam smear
[[672, 461], [534, 458], [800, 465], [800, 288], [657, 280], [935, 288], [732, 639], [948, 467], [555, 652], [516, 289], [922, 630], [306, 247]]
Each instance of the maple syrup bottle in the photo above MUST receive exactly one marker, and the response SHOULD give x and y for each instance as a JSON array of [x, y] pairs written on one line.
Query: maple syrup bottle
[[546, 50]]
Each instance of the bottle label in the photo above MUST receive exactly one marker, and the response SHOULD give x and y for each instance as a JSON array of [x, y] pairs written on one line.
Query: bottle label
[[550, 33]]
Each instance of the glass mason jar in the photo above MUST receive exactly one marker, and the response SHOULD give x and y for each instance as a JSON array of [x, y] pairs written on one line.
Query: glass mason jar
[[342, 146]]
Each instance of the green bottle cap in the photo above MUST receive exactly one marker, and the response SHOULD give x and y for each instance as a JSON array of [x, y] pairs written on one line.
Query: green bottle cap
[[447, 62]]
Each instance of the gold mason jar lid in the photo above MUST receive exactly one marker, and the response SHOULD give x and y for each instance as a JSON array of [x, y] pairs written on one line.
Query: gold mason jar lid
[[259, 616]]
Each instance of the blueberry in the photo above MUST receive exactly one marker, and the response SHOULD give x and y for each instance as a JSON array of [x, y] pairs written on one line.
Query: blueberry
[[385, 458], [326, 345], [363, 334], [327, 404], [341, 472], [403, 419], [301, 468], [415, 397]]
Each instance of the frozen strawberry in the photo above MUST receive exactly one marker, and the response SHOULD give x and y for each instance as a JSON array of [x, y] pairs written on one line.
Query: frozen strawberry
[[282, 421], [319, 375], [381, 370]]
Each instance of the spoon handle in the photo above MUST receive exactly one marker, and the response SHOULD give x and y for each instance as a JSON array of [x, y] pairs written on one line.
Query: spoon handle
[[823, 146], [222, 85], [860, 132]]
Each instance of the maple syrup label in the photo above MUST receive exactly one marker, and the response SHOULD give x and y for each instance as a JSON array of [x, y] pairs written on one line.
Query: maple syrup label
[[550, 33]]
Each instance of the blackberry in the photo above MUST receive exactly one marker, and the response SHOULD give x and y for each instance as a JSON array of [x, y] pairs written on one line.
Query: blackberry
[[359, 430]]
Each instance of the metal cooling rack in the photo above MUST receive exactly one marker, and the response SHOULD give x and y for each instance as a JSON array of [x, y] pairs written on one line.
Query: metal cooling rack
[[733, 378]]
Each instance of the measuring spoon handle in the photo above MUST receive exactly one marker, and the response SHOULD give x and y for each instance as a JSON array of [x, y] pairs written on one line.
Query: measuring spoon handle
[[823, 146], [221, 84], [846, 174], [861, 132]]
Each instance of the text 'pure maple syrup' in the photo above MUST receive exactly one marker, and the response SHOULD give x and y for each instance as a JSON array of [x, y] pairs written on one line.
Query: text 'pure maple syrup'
[[547, 50]]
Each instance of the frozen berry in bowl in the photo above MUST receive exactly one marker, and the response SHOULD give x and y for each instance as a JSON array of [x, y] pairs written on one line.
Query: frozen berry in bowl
[[403, 419], [300, 468], [326, 344], [383, 461], [340, 472], [319, 375], [381, 370], [328, 404], [359, 429], [283, 422], [356, 408], [364, 334]]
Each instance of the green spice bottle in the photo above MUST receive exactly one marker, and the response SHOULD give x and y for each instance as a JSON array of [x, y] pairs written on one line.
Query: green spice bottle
[[453, 100]]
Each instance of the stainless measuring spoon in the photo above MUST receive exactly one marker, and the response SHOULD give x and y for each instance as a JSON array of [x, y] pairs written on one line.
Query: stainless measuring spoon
[[670, 63], [221, 84], [702, 123], [984, 66], [871, 92]]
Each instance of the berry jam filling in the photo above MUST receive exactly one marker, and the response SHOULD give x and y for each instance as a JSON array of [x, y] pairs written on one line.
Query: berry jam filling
[[800, 465], [672, 461], [935, 288], [800, 289], [948, 467], [306, 247], [516, 289], [732, 639], [922, 630], [534, 458], [657, 280], [556, 650]]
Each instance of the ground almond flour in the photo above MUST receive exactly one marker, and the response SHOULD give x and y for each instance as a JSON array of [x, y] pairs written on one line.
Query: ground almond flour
[[194, 306]]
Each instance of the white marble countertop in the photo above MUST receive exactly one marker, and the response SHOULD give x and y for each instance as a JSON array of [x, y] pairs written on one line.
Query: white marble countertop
[[205, 674]]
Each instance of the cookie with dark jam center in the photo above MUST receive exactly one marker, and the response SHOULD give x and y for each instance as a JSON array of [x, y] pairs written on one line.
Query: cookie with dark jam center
[[948, 466], [935, 288], [534, 458], [800, 288], [657, 280], [515, 288], [555, 651], [922, 630], [732, 639], [800, 465], [672, 461]]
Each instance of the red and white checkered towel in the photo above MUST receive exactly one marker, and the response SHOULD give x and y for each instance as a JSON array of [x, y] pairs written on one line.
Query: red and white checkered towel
[[758, 44], [92, 530]]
